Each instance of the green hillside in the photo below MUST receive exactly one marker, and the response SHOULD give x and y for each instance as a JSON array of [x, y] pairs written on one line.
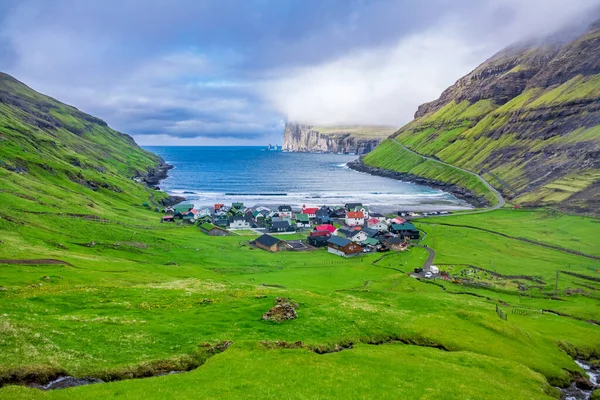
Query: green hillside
[[92, 284], [527, 120], [57, 159]]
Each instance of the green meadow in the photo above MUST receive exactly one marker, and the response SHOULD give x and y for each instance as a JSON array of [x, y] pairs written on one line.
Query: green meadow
[[136, 297]]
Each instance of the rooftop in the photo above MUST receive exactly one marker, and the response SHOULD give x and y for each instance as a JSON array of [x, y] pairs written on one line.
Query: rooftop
[[339, 241], [267, 240]]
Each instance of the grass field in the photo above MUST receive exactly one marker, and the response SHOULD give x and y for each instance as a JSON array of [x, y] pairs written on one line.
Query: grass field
[[146, 295]]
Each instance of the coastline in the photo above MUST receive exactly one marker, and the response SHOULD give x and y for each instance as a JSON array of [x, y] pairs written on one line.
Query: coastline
[[457, 191], [153, 178]]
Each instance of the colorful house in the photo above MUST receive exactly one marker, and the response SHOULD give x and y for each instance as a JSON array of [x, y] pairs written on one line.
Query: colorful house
[[380, 217], [325, 228], [310, 211], [406, 230], [343, 247], [354, 218], [302, 221], [319, 239], [182, 208], [375, 223], [285, 211], [323, 215]]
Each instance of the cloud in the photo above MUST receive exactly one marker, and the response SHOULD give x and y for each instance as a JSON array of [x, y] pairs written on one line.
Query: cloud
[[384, 85], [235, 69], [381, 86]]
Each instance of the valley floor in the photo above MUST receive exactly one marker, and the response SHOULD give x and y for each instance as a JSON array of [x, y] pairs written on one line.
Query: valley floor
[[136, 297]]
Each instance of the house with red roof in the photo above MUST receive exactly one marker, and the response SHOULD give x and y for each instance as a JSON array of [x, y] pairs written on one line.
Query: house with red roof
[[354, 218], [325, 228], [310, 211], [375, 223]]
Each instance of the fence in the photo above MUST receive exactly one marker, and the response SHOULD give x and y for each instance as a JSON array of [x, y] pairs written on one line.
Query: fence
[[501, 313], [521, 311]]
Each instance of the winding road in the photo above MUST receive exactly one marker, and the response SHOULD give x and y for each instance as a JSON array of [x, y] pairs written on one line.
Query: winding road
[[499, 199], [499, 202]]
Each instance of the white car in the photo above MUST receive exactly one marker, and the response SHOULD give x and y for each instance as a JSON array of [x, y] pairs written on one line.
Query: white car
[[428, 275]]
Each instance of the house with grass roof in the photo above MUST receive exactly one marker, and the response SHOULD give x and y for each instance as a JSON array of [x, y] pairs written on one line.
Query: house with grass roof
[[213, 230]]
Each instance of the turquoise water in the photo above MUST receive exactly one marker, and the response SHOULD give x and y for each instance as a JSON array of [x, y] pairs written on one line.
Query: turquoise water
[[252, 175]]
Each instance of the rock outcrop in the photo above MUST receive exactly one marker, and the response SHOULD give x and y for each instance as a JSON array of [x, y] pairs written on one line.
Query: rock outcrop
[[342, 139]]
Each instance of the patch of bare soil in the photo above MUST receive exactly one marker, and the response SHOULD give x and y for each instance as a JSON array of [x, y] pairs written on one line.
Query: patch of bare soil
[[283, 310]]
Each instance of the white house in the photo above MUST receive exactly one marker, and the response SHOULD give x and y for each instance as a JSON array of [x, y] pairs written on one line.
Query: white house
[[359, 237], [285, 211], [239, 223], [380, 217], [377, 224], [354, 218], [364, 210]]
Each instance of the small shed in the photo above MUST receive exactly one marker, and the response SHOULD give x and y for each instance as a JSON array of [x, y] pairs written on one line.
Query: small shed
[[268, 243]]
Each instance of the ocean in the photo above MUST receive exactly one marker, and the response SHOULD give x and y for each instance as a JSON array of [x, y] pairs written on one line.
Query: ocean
[[256, 176]]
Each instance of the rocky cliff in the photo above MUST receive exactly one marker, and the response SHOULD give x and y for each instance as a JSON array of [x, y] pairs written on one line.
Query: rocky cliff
[[333, 139], [527, 119]]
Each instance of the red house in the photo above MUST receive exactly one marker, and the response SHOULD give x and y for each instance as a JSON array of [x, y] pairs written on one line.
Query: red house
[[325, 228], [310, 211]]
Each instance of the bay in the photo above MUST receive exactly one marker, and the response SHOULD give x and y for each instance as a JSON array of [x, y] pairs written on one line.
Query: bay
[[255, 176]]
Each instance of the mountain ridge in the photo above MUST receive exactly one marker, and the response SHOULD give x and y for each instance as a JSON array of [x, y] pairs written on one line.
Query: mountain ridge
[[527, 119]]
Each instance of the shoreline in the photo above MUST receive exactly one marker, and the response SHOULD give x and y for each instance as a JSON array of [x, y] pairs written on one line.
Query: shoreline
[[455, 190]]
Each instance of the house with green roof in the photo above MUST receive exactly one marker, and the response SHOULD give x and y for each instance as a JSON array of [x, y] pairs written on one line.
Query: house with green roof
[[213, 230], [182, 208], [302, 221], [406, 230]]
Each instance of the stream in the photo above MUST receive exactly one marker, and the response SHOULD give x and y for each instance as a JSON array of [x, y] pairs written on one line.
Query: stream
[[578, 391]]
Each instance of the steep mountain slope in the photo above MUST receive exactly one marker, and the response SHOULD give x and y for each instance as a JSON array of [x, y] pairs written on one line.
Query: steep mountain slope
[[333, 139], [55, 158], [527, 119]]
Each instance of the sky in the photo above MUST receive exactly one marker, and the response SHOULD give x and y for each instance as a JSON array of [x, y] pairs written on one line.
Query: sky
[[225, 72]]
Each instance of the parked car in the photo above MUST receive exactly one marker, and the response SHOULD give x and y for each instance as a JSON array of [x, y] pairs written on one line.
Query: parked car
[[428, 275]]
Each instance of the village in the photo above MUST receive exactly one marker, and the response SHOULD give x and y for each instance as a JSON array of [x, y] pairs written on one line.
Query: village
[[346, 231]]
